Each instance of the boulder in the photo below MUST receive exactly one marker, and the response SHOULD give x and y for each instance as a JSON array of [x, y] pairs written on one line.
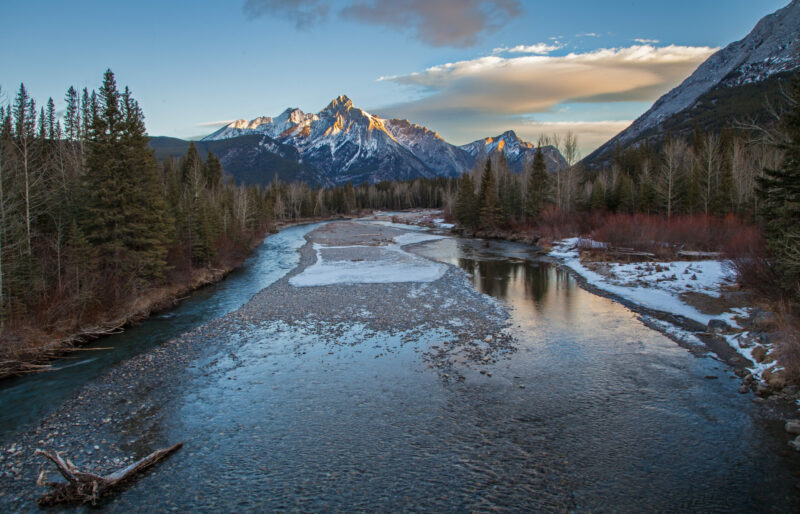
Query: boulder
[[717, 326], [795, 443]]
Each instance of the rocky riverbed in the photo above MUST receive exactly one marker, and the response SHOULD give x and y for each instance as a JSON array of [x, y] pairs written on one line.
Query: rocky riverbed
[[396, 368], [115, 419]]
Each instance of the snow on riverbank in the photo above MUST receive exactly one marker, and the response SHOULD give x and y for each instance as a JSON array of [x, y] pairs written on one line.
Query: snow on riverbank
[[656, 285], [660, 286]]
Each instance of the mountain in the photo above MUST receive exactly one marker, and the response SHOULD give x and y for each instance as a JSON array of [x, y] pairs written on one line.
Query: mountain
[[343, 143], [517, 152], [732, 84], [251, 158], [347, 144]]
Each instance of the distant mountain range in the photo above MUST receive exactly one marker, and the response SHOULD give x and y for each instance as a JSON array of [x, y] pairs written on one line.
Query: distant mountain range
[[343, 143], [733, 84]]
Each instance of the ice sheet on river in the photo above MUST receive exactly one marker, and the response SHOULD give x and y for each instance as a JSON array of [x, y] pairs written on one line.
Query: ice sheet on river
[[368, 265]]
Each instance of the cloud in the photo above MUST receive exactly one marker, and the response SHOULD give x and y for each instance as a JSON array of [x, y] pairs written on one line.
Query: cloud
[[591, 134], [303, 13], [221, 123], [537, 49], [647, 41], [458, 23], [588, 34], [533, 83]]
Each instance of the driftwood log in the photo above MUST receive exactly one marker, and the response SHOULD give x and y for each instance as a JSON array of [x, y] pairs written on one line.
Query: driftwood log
[[83, 487]]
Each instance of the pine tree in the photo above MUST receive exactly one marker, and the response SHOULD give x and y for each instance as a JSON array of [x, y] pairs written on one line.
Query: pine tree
[[212, 171], [466, 209], [72, 116], [538, 187], [488, 201], [147, 210], [125, 210], [779, 191]]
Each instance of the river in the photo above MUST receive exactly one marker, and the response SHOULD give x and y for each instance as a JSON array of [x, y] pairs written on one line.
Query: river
[[593, 411]]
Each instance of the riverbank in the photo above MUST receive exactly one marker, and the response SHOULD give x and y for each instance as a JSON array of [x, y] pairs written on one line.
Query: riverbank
[[377, 372], [32, 349], [697, 303], [120, 417]]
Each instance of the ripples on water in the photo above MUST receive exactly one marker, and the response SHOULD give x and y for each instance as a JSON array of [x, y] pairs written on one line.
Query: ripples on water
[[612, 416]]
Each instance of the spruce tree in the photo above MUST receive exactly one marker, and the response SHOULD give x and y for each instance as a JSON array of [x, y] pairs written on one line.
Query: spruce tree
[[72, 116], [489, 203], [125, 213], [466, 209], [538, 187], [779, 191]]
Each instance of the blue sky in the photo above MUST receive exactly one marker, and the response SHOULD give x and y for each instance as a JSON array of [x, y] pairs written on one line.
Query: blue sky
[[191, 64]]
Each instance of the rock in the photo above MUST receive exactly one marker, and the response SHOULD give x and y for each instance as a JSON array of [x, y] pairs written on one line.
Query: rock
[[775, 380], [717, 325], [762, 390], [763, 320], [795, 443], [712, 377], [488, 339], [793, 426], [744, 389]]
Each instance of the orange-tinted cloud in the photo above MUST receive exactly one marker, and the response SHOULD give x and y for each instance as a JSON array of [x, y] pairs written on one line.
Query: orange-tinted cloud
[[534, 83]]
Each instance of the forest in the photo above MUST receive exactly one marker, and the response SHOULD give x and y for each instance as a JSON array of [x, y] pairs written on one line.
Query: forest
[[92, 226]]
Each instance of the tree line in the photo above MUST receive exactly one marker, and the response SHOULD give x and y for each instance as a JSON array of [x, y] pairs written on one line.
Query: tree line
[[90, 220]]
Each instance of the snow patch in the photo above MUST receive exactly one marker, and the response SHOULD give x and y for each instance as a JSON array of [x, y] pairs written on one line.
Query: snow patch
[[658, 290], [393, 265]]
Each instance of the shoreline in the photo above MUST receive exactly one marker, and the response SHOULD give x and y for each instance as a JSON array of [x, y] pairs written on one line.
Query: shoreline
[[94, 426], [154, 301], [689, 333]]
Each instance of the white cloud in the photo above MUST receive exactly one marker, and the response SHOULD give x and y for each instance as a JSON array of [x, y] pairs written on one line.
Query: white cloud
[[537, 49], [534, 83], [647, 41], [220, 123]]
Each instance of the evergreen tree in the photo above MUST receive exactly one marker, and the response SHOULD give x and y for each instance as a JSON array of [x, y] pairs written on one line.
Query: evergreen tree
[[125, 211], [538, 187], [488, 201], [72, 116], [466, 209], [779, 191]]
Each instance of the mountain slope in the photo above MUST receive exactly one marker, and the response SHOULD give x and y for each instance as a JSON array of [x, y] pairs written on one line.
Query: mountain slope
[[517, 152], [251, 159], [347, 144], [766, 55]]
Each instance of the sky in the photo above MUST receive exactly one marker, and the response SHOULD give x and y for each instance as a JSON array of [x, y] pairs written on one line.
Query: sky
[[467, 69]]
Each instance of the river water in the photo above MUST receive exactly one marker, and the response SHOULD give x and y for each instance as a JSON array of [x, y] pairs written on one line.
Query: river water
[[595, 411], [24, 400]]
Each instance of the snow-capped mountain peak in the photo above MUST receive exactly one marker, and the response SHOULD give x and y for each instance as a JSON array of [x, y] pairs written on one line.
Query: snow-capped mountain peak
[[345, 143], [772, 47], [518, 153]]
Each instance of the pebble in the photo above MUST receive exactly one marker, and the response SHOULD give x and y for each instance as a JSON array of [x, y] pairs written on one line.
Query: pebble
[[793, 426]]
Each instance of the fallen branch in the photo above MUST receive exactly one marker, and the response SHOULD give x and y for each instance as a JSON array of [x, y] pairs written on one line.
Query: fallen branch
[[82, 487]]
